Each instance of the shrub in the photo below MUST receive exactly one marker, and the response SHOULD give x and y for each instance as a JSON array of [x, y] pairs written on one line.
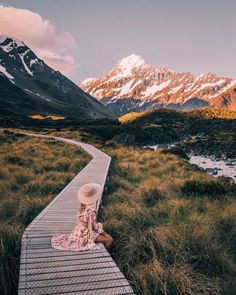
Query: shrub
[[176, 151], [152, 197], [17, 160], [13, 160], [211, 188], [62, 165]]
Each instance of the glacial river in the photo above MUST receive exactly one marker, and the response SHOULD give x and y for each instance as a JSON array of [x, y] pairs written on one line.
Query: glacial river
[[212, 166], [220, 167]]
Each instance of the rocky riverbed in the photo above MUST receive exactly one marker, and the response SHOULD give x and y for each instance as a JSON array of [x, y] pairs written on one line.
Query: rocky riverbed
[[211, 164], [215, 167]]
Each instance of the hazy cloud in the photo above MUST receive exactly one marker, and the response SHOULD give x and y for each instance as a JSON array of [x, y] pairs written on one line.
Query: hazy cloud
[[40, 35]]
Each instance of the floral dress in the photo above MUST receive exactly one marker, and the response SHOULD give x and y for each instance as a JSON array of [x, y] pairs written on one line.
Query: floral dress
[[83, 235]]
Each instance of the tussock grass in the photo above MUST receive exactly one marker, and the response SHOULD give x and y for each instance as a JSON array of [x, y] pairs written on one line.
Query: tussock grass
[[32, 172], [174, 227]]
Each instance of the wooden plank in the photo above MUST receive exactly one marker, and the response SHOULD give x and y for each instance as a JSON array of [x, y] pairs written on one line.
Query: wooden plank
[[77, 262], [51, 251], [65, 268], [73, 280], [44, 279], [79, 288], [109, 291], [61, 257]]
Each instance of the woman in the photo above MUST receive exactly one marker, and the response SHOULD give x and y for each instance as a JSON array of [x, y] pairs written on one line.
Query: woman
[[87, 230]]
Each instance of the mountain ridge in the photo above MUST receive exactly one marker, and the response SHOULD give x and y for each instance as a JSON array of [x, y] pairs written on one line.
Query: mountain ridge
[[132, 79], [45, 88]]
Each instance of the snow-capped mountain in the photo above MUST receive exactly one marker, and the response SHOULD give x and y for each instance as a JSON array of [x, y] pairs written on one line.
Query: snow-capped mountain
[[134, 85], [29, 86]]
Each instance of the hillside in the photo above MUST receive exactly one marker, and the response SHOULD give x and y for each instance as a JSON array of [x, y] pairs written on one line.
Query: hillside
[[149, 116], [29, 86]]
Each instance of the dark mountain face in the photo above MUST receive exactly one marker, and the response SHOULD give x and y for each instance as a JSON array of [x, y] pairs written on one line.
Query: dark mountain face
[[30, 86], [120, 107]]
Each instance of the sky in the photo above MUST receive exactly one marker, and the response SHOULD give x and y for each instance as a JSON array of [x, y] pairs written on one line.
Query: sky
[[86, 38]]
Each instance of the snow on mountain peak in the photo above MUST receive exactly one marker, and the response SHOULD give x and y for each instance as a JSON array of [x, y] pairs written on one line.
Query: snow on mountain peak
[[16, 42], [133, 78], [14, 53], [128, 63], [3, 38], [89, 80]]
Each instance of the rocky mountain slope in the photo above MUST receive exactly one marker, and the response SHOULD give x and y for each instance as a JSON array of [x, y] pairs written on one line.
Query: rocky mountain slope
[[29, 86], [134, 85]]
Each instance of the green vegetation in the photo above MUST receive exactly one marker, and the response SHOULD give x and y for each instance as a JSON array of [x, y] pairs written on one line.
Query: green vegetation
[[205, 131], [166, 125], [32, 172], [150, 127], [152, 114], [218, 144], [213, 113]]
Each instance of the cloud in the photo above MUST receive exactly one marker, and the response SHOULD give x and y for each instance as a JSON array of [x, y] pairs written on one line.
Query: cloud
[[58, 61], [40, 35]]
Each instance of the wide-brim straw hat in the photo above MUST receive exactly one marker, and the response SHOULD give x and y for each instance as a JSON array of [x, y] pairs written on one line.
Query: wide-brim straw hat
[[89, 193]]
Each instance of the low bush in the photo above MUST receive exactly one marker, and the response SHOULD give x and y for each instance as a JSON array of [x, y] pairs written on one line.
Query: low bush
[[211, 188], [152, 197]]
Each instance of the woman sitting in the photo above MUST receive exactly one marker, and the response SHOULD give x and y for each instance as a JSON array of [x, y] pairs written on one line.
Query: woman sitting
[[87, 230]]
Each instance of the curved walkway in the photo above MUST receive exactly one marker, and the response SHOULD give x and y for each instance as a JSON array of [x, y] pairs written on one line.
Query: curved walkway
[[44, 270]]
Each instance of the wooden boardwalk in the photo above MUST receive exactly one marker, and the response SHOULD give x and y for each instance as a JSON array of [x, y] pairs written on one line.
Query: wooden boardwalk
[[44, 270]]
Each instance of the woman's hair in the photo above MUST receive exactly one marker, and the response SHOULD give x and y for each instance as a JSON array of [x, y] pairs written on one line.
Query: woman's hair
[[82, 207]]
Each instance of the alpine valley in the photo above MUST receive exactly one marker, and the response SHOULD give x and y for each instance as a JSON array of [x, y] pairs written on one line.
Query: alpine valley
[[29, 86], [134, 85]]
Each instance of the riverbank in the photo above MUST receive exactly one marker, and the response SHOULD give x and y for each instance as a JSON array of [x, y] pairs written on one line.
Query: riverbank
[[215, 167], [212, 164]]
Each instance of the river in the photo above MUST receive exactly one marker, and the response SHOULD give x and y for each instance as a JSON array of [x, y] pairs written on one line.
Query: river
[[209, 164], [215, 167]]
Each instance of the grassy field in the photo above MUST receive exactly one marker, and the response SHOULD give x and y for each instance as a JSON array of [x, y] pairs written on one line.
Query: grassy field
[[174, 227], [32, 172]]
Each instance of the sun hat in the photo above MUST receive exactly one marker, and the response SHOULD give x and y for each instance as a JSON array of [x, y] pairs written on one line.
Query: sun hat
[[89, 193]]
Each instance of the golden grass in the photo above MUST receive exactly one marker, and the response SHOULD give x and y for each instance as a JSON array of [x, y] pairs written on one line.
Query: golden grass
[[169, 241], [174, 233], [51, 117], [32, 172], [133, 116], [207, 112], [213, 113]]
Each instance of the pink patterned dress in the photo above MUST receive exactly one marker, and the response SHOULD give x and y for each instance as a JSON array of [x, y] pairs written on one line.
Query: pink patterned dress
[[83, 235]]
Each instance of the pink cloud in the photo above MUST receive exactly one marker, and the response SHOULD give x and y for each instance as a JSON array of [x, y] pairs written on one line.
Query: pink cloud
[[58, 61], [40, 35]]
